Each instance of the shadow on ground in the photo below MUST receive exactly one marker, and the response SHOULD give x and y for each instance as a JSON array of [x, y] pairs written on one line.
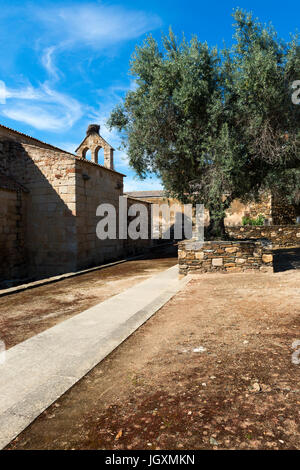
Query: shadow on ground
[[29, 312], [286, 259], [162, 252]]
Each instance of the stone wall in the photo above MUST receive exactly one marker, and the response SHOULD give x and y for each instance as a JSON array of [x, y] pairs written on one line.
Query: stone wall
[[132, 247], [275, 210], [48, 175], [234, 215], [279, 235], [95, 185], [283, 213], [238, 210], [215, 256], [13, 256]]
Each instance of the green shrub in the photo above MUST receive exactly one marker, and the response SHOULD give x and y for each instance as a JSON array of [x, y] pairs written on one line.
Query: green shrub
[[254, 222]]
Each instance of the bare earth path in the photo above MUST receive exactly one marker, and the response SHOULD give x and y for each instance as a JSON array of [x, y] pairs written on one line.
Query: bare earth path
[[28, 313], [212, 369]]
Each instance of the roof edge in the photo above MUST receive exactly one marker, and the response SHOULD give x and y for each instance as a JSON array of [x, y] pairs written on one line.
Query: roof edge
[[34, 139], [52, 147]]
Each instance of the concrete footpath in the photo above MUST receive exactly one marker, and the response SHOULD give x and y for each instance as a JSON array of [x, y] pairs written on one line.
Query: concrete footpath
[[38, 371]]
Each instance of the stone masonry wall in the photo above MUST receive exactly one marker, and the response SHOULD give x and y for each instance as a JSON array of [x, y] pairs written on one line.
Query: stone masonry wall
[[132, 247], [234, 214], [223, 256], [275, 210], [280, 235], [283, 213], [48, 175], [13, 258], [96, 185], [93, 186]]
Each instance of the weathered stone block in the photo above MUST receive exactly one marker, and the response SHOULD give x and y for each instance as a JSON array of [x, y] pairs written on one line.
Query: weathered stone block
[[231, 249], [234, 269], [217, 262], [267, 258]]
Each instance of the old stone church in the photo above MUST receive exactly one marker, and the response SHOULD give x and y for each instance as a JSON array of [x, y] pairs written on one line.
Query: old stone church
[[48, 202]]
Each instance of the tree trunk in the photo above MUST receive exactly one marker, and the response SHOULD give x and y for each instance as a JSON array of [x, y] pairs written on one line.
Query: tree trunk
[[216, 229]]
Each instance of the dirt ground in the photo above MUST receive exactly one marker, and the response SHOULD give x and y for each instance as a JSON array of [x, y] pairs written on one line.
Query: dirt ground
[[212, 369], [30, 312]]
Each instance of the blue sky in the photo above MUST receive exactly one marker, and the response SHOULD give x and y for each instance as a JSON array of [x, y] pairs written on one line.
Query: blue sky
[[65, 63]]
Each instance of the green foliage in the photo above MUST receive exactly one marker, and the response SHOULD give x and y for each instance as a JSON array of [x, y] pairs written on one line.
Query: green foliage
[[254, 222], [211, 123]]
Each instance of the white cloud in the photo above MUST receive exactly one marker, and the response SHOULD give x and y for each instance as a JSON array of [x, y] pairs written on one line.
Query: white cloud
[[109, 98], [48, 62], [121, 161], [96, 24], [42, 108], [53, 29]]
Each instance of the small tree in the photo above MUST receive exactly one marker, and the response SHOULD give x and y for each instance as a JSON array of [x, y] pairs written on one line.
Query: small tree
[[214, 126]]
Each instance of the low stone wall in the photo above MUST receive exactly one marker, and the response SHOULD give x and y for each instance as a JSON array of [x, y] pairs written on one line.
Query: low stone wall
[[280, 235], [214, 256]]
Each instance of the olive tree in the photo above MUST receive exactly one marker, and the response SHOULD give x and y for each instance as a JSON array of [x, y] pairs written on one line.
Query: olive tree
[[213, 125]]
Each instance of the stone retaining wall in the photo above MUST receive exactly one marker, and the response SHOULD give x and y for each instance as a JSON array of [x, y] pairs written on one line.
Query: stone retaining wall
[[280, 235], [214, 256]]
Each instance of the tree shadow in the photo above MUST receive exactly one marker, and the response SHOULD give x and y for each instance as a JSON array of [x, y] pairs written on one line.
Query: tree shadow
[[286, 259], [47, 224], [167, 251]]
